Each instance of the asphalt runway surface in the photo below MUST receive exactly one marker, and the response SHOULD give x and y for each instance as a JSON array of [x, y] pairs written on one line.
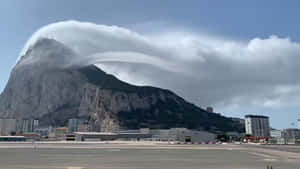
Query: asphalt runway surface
[[143, 156]]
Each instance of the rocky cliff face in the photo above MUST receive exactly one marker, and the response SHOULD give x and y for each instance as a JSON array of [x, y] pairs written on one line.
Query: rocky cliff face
[[51, 90]]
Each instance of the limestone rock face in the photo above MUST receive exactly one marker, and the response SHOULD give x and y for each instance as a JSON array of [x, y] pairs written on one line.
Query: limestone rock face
[[50, 89]]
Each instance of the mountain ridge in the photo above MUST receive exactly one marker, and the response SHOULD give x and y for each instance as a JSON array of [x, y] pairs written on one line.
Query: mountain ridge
[[54, 92]]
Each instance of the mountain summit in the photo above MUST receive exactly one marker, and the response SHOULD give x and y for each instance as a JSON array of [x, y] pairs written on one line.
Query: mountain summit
[[45, 85]]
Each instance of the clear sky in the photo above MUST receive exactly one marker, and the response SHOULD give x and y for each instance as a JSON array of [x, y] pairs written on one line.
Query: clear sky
[[242, 20]]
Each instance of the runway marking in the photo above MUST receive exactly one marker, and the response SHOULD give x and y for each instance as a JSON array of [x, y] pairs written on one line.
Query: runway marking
[[261, 154], [266, 157]]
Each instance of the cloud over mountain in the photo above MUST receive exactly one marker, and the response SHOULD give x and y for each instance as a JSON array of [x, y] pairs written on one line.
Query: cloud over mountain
[[206, 70]]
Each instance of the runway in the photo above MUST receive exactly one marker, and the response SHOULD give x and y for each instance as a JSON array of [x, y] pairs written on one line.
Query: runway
[[142, 156]]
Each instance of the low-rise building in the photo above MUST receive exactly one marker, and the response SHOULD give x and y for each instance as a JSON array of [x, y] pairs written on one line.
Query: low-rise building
[[8, 127], [234, 136], [95, 136], [31, 136], [276, 137], [60, 133], [291, 136], [78, 125], [275, 133], [44, 132], [195, 136], [12, 139], [162, 135], [174, 134], [182, 135], [83, 128], [291, 133]]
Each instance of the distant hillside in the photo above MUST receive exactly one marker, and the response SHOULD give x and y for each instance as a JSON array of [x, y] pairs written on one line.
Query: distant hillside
[[54, 94]]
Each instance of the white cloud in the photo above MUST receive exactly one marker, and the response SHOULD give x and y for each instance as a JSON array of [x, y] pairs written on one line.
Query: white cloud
[[204, 69]]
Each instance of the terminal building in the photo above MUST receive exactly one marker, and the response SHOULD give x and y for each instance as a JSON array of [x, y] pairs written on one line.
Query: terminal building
[[257, 126], [95, 136], [126, 135], [174, 134]]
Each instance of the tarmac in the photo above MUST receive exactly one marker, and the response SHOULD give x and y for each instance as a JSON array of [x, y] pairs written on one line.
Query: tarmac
[[145, 155]]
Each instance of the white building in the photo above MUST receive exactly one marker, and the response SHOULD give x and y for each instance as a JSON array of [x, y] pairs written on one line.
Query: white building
[[29, 125], [73, 125], [257, 126], [8, 127], [275, 133]]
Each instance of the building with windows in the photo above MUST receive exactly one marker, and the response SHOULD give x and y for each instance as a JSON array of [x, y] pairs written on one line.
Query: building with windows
[[257, 126], [291, 136], [29, 125], [79, 125], [173, 134], [73, 125], [291, 133]]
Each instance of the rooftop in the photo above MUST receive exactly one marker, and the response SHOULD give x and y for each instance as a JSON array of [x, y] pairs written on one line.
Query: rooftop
[[95, 133], [12, 137], [255, 116]]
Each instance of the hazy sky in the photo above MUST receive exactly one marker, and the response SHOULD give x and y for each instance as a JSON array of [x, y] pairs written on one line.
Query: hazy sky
[[265, 35]]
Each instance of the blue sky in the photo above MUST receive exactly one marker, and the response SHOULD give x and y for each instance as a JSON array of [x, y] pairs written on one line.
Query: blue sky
[[243, 20]]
